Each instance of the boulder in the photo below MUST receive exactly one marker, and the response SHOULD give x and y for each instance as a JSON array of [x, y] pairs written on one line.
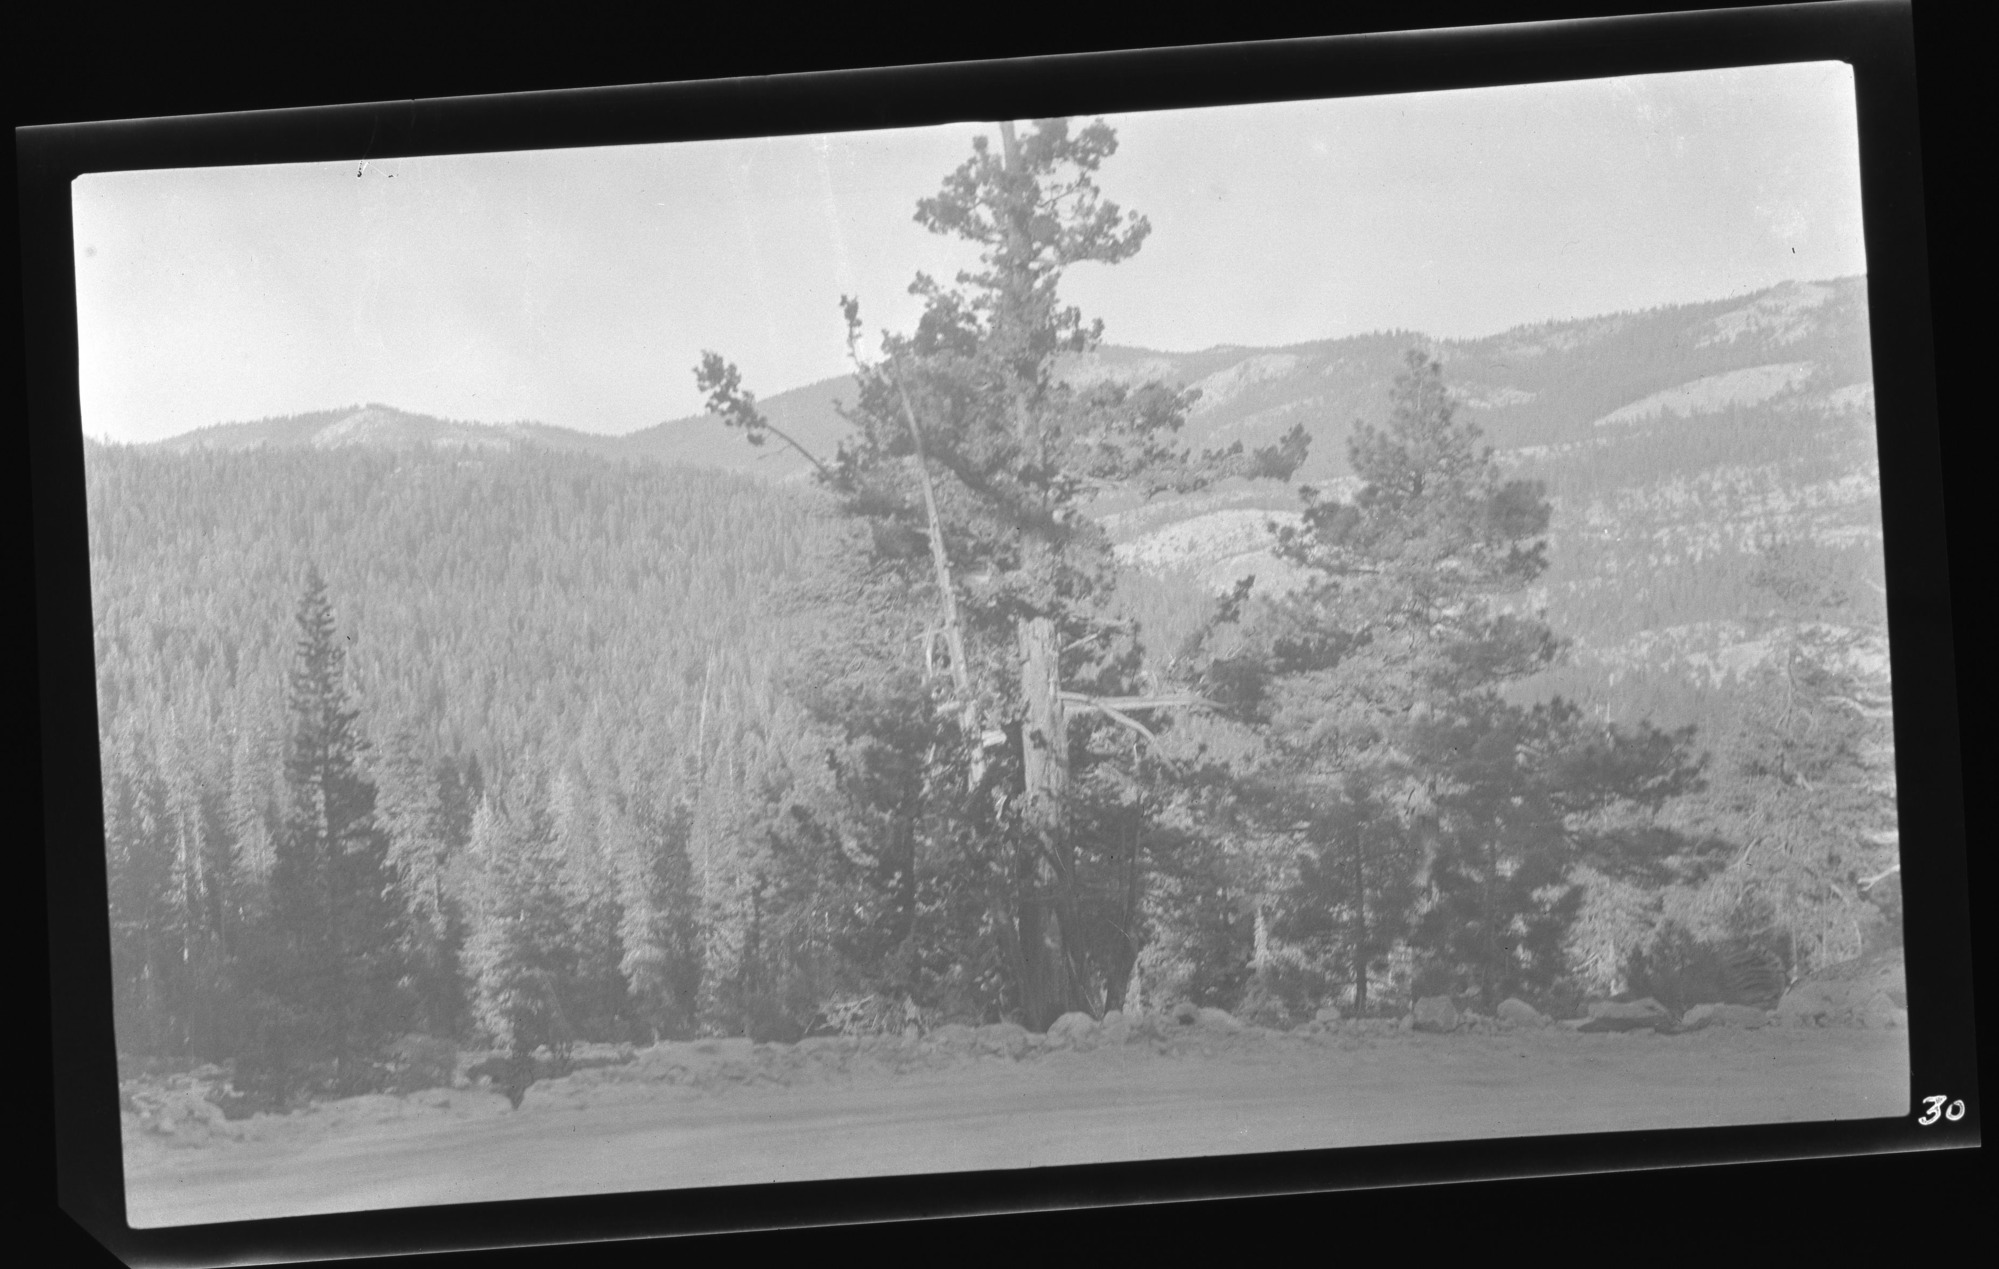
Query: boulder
[[1006, 1038], [184, 1110], [1644, 1007], [1636, 1015], [1435, 1013], [1408, 1022], [1520, 1013], [1074, 1027], [1186, 1014], [1881, 1013], [1843, 995], [1327, 1013], [1113, 1029], [953, 1037], [1217, 1019], [1814, 1004]]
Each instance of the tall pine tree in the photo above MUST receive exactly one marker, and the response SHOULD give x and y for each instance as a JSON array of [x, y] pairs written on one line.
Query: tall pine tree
[[973, 463], [328, 966], [1413, 786]]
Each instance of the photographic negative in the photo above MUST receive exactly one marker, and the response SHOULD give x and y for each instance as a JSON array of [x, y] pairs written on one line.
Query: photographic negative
[[1130, 635]]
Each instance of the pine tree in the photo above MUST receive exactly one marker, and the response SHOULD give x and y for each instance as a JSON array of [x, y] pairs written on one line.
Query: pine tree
[[1804, 775], [137, 873], [1355, 881], [971, 462], [413, 812], [522, 948], [659, 934], [598, 999], [327, 966], [1521, 797], [1426, 806], [1393, 624]]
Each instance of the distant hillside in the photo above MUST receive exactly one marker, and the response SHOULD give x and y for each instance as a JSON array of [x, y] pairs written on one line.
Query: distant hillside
[[1673, 441], [384, 427], [1532, 389]]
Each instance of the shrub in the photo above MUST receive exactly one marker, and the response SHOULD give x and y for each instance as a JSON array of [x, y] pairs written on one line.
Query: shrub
[[1563, 998], [417, 1062], [1262, 1006], [1680, 970], [275, 1070], [769, 1021]]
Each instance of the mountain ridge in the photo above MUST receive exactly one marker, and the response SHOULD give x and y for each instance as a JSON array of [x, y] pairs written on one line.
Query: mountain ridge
[[1226, 374], [1672, 440]]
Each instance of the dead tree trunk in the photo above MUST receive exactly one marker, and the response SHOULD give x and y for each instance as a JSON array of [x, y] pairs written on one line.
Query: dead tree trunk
[[972, 733]]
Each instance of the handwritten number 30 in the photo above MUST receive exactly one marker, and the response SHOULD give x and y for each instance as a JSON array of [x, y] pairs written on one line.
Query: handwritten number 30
[[1937, 1110]]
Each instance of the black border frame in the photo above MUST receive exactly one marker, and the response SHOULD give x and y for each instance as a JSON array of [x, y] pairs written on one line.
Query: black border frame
[[1875, 36]]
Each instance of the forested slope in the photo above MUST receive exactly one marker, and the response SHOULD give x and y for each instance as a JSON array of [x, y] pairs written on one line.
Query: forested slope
[[662, 705], [604, 637]]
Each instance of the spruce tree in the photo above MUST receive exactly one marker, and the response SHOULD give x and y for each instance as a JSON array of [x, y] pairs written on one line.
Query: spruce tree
[[522, 947], [328, 966], [412, 810], [659, 934]]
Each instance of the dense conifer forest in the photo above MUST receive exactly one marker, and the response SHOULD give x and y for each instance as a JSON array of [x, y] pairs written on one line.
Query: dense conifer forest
[[445, 744]]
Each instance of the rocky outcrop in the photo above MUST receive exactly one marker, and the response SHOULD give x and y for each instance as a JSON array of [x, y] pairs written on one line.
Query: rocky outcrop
[[1217, 1019], [1635, 1015], [1870, 992], [1114, 1029], [1519, 1013], [1005, 1039], [1074, 1028], [1435, 1013]]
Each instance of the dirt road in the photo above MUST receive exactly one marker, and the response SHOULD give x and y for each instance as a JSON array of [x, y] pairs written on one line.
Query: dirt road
[[582, 1136]]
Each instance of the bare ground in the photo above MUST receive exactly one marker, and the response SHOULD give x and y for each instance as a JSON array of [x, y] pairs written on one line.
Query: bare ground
[[675, 1123]]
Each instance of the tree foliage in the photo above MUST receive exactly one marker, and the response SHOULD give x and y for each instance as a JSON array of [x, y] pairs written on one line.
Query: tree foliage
[[972, 464], [327, 971], [665, 753]]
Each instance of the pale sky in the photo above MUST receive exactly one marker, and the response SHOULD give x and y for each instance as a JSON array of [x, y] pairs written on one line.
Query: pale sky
[[579, 287]]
